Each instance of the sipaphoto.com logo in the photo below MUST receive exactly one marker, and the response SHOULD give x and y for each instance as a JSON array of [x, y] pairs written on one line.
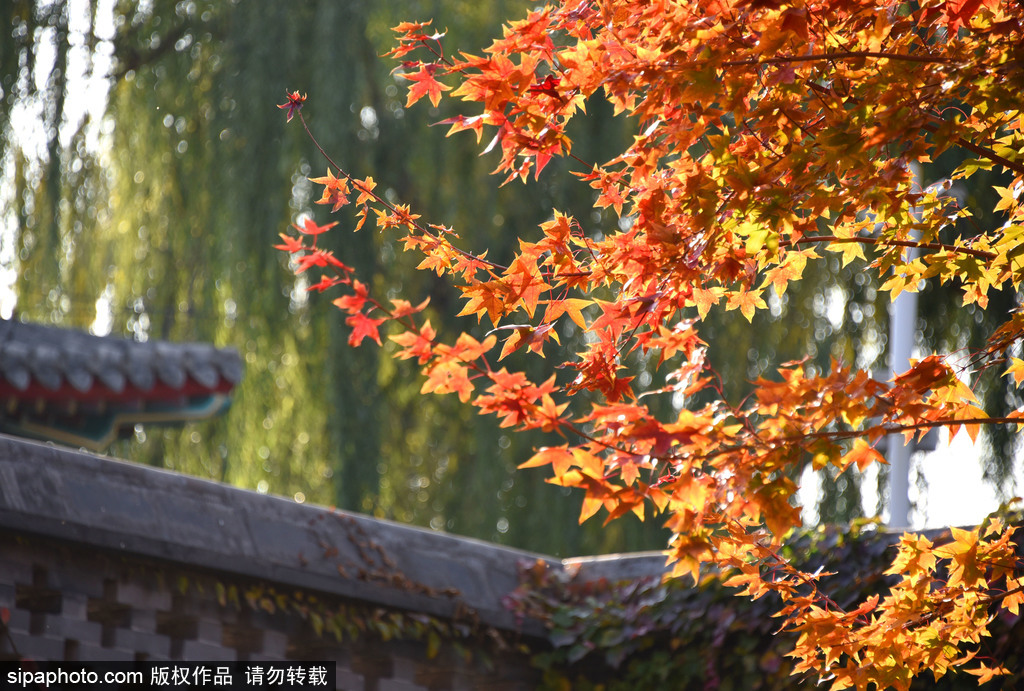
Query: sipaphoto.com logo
[[26, 678]]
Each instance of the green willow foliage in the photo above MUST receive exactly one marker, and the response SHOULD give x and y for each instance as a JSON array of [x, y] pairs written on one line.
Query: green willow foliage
[[165, 209]]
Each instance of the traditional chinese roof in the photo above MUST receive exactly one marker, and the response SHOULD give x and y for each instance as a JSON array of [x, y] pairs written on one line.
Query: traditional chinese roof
[[70, 386]]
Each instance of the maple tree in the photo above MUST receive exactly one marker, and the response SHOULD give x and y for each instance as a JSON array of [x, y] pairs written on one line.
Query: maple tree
[[767, 133]]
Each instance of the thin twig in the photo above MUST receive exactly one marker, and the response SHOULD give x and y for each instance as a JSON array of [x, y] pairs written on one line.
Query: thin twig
[[938, 246], [385, 203]]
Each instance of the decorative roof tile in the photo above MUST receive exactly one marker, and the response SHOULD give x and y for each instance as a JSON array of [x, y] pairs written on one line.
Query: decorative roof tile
[[74, 386], [55, 357], [14, 363]]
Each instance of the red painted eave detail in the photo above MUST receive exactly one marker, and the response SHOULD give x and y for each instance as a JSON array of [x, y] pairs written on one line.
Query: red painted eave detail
[[99, 393]]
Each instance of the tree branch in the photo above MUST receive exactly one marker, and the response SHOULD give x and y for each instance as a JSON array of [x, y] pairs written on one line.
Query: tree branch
[[982, 151], [842, 55], [390, 207], [938, 246]]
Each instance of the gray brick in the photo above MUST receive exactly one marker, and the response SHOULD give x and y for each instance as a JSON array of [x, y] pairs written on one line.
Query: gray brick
[[144, 597], [274, 645], [80, 630], [143, 620], [16, 565], [403, 668], [399, 685], [153, 644], [53, 625], [157, 649], [82, 581], [9, 578], [347, 680], [74, 606], [196, 650], [81, 566], [159, 655], [210, 631], [40, 647], [91, 652]]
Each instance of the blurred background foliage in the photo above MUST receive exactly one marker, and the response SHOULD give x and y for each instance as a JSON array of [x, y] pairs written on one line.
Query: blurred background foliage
[[146, 173]]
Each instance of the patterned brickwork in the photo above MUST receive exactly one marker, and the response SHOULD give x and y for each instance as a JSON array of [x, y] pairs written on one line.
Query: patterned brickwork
[[70, 602], [106, 560]]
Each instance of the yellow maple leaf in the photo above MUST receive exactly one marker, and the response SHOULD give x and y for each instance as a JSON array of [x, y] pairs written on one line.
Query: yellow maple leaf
[[850, 250], [986, 674], [748, 302], [1007, 199], [704, 300], [1016, 368]]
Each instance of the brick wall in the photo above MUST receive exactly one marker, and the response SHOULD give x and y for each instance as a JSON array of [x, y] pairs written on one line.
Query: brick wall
[[67, 602], [105, 560]]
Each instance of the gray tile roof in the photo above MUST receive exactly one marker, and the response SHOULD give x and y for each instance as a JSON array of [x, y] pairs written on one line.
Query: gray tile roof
[[75, 388], [57, 358]]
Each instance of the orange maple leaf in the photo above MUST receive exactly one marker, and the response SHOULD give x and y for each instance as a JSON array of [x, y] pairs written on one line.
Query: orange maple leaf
[[862, 455], [486, 297], [425, 85], [416, 344], [449, 377], [404, 308], [335, 190], [572, 306]]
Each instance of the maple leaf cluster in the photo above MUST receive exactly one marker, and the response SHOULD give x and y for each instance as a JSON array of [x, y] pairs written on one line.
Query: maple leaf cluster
[[765, 133]]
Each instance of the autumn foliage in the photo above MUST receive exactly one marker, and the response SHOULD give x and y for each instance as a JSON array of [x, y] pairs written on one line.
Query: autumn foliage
[[767, 133]]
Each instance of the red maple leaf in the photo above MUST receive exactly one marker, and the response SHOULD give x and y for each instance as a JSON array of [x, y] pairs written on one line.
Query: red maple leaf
[[293, 104], [363, 327], [353, 303], [291, 245], [416, 344], [309, 227], [548, 87], [959, 13], [325, 283]]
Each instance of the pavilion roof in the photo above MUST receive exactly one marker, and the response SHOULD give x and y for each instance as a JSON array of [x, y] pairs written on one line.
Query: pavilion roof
[[78, 388]]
